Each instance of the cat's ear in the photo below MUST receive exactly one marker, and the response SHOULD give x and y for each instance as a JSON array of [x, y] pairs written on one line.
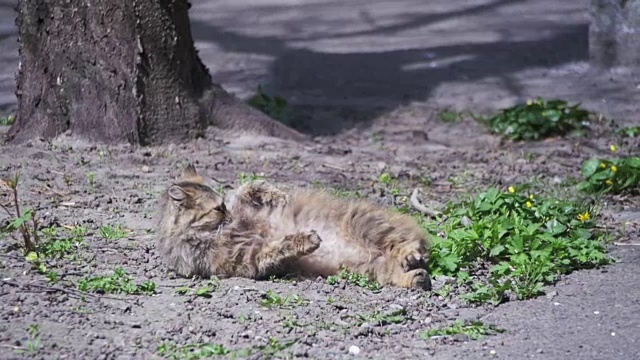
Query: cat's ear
[[178, 194], [190, 174]]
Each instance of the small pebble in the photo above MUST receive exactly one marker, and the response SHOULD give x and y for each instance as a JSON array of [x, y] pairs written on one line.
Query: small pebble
[[354, 350], [492, 352]]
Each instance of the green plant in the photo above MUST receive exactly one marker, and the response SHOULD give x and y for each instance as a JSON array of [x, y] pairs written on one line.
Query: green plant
[[91, 178], [7, 120], [353, 278], [537, 119], [33, 344], [378, 318], [191, 352], [610, 176], [475, 330], [248, 178], [109, 232], [270, 300], [118, 282], [55, 244], [25, 222], [274, 347], [274, 106], [202, 291], [448, 116], [526, 240], [631, 131]]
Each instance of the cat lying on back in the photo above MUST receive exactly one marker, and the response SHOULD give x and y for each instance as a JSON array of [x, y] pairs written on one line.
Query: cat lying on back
[[261, 231]]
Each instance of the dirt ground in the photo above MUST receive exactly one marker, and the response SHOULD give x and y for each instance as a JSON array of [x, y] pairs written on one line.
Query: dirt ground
[[369, 78]]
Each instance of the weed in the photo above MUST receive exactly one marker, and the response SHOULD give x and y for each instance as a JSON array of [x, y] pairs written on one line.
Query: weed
[[118, 282], [56, 244], [345, 193], [91, 179], [202, 291], [274, 106], [381, 319], [280, 280], [291, 322], [449, 116], [610, 176], [7, 120], [191, 352], [390, 183], [475, 330], [26, 222], [248, 178], [33, 344], [525, 239], [537, 119], [271, 300], [109, 232], [274, 346], [631, 131], [353, 278]]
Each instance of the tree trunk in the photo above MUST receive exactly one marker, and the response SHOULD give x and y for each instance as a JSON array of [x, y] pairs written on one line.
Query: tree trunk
[[120, 70], [614, 33]]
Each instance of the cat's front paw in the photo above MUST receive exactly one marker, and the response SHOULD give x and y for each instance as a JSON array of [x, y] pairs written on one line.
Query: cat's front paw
[[264, 194], [308, 242], [414, 260]]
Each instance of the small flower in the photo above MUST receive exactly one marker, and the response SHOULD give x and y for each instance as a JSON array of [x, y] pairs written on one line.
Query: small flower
[[512, 189], [613, 148], [603, 165], [529, 102], [531, 196], [614, 168], [608, 182], [584, 216], [529, 204]]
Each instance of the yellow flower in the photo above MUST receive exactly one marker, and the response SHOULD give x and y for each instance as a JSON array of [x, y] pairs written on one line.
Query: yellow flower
[[603, 165], [531, 196], [608, 182], [613, 148], [512, 189], [529, 102], [614, 168], [584, 217], [529, 204]]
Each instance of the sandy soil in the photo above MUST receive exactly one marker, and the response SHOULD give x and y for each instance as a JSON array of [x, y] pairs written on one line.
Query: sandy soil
[[368, 77]]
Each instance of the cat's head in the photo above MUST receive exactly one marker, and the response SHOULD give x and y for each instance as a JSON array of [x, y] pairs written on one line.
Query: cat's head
[[195, 204]]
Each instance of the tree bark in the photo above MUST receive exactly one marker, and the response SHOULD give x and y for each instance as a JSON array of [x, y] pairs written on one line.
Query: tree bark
[[614, 33], [120, 71]]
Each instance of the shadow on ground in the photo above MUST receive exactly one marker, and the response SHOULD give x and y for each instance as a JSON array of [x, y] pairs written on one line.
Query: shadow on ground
[[388, 79]]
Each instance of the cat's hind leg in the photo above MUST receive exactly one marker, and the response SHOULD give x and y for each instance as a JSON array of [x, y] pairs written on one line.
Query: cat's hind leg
[[387, 271]]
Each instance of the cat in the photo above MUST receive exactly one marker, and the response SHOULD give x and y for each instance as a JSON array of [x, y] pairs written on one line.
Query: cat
[[260, 230]]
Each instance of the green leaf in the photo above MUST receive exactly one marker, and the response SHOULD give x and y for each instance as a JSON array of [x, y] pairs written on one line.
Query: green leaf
[[590, 167]]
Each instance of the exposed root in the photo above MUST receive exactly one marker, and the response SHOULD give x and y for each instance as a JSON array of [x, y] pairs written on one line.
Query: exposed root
[[415, 202]]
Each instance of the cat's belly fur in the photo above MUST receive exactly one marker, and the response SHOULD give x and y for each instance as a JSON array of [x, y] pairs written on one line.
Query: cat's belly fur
[[334, 252], [336, 249]]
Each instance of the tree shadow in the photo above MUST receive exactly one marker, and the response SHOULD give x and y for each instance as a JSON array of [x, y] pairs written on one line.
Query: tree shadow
[[378, 82]]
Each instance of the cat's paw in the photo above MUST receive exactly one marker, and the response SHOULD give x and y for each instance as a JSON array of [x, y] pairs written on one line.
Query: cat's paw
[[308, 242], [419, 279], [415, 260], [313, 242], [263, 193]]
